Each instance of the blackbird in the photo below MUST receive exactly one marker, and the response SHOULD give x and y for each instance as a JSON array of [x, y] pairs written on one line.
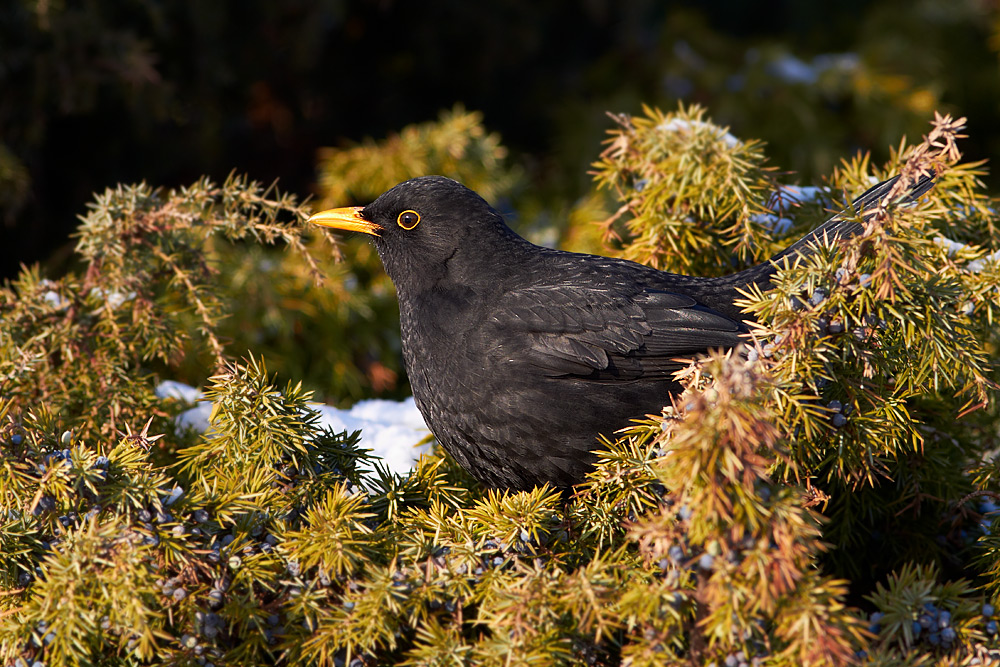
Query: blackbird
[[519, 355]]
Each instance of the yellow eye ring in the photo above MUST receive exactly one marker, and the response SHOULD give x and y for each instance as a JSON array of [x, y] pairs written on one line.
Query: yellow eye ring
[[408, 219]]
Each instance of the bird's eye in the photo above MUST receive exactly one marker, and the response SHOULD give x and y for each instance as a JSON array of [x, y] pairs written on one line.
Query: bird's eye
[[408, 219]]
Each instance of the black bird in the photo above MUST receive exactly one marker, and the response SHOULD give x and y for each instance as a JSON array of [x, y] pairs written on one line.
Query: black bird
[[518, 355]]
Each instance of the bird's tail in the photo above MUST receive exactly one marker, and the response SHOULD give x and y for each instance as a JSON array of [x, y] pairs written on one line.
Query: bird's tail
[[721, 293], [864, 207]]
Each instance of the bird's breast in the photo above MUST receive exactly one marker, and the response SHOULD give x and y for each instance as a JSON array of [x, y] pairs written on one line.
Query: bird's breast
[[440, 335]]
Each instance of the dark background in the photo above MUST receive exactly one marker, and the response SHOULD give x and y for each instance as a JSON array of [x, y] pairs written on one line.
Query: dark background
[[99, 92]]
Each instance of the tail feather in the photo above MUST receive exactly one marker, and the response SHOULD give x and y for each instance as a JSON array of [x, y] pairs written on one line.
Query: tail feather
[[865, 205], [721, 293]]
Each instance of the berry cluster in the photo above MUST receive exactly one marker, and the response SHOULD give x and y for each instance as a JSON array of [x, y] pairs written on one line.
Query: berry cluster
[[88, 483], [838, 412], [740, 659], [989, 613], [684, 563], [831, 325], [21, 662], [934, 626]]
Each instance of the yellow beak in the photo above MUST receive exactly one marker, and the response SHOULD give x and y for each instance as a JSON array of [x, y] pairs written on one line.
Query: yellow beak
[[348, 218]]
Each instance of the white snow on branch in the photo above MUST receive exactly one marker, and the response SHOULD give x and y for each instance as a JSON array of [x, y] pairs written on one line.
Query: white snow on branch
[[113, 297], [977, 265], [681, 125], [54, 298], [772, 223], [798, 194], [950, 247], [786, 197], [954, 247], [391, 429], [178, 390]]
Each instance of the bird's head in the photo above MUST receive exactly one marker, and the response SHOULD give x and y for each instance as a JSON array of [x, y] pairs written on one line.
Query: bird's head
[[428, 228]]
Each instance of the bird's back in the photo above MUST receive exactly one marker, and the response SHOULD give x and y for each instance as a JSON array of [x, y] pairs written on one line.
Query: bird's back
[[516, 376]]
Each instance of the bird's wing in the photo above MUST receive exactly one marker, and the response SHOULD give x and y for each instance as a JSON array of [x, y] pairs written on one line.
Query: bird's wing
[[608, 333]]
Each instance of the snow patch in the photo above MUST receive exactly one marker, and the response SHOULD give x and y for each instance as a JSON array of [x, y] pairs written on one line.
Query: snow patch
[[772, 223], [55, 300], [681, 125], [954, 247], [800, 194], [391, 429], [178, 390], [787, 196], [978, 265], [790, 69], [197, 418], [114, 298], [950, 247]]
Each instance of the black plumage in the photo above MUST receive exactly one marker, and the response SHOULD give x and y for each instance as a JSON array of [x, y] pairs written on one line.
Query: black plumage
[[518, 355]]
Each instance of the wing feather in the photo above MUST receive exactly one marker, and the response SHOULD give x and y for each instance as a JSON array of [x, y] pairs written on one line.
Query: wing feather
[[609, 332]]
